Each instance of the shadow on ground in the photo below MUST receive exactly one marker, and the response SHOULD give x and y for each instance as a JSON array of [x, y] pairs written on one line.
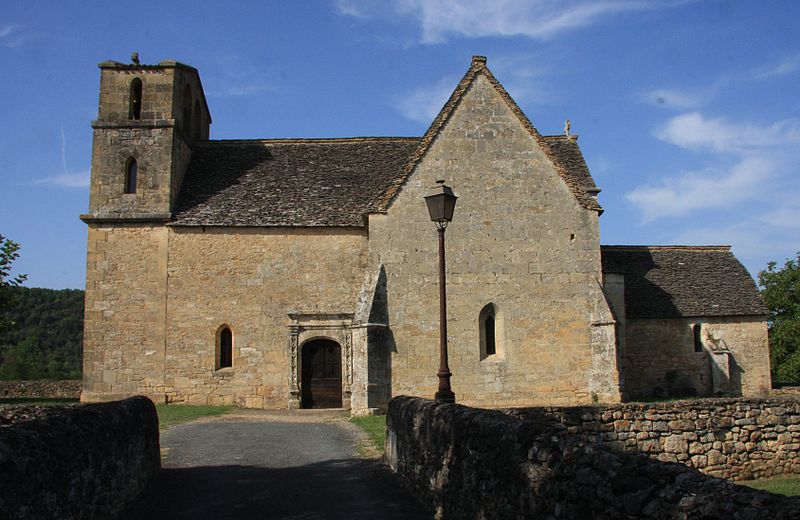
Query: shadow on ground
[[335, 489]]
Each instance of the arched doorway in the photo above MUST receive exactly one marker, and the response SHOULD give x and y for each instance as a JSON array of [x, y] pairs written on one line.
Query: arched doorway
[[321, 374]]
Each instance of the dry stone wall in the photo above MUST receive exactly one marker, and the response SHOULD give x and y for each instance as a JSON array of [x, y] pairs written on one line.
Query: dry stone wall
[[87, 462], [737, 439], [38, 389], [537, 463]]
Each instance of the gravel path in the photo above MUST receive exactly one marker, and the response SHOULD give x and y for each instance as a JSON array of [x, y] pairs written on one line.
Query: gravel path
[[271, 465]]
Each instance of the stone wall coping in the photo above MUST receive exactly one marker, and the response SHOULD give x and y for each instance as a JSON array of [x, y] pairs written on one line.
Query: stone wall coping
[[473, 463], [110, 218], [146, 123], [163, 64]]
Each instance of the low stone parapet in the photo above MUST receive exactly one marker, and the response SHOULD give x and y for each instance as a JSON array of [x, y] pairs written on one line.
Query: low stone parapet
[[737, 439], [471, 463], [83, 462], [66, 389]]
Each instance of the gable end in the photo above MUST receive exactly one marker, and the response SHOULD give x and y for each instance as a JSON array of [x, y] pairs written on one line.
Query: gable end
[[576, 185]]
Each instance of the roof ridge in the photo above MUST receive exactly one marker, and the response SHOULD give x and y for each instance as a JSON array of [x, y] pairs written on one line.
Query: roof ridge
[[717, 248], [477, 66], [563, 137], [309, 140]]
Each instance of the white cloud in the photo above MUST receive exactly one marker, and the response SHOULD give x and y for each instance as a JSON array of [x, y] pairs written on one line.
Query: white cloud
[[787, 65], [693, 131], [686, 99], [670, 98], [11, 37], [709, 189], [424, 103], [536, 19], [752, 242], [783, 218], [67, 180]]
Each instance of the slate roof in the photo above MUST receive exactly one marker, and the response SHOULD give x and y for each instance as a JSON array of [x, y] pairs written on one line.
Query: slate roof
[[566, 149], [683, 281], [289, 182], [335, 182], [307, 182]]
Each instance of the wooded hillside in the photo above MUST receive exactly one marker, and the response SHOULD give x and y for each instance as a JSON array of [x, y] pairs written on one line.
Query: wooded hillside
[[45, 338]]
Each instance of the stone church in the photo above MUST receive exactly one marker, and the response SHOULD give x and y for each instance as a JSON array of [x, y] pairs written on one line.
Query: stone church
[[301, 273]]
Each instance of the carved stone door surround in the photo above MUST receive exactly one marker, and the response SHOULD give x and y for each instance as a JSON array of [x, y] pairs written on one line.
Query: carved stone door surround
[[307, 326]]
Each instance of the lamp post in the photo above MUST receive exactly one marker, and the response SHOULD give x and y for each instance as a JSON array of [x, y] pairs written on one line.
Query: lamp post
[[441, 204]]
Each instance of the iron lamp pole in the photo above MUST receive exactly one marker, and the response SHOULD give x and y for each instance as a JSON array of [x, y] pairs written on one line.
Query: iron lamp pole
[[441, 203]]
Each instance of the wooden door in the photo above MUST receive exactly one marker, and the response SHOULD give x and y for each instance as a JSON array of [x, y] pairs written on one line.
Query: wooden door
[[322, 374]]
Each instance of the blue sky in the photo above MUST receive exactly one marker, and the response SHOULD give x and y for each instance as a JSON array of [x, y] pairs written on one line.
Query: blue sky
[[688, 111]]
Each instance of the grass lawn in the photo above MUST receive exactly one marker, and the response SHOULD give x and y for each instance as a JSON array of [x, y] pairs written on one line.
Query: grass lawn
[[789, 486], [172, 414], [375, 426]]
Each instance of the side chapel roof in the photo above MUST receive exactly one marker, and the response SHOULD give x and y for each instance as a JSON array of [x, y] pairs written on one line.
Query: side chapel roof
[[335, 182], [683, 281]]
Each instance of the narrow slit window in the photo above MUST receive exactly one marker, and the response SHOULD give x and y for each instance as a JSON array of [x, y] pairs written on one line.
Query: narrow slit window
[[196, 121], [224, 348], [135, 106], [490, 338], [130, 176], [487, 323], [698, 340], [187, 110]]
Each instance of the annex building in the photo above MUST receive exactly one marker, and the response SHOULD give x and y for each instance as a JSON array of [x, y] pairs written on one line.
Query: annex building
[[303, 272]]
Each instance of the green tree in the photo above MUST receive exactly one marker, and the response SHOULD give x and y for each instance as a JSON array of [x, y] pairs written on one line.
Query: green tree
[[9, 251], [46, 339], [781, 292]]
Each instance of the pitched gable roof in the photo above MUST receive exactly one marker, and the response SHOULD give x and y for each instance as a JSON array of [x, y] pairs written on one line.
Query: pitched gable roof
[[574, 181], [288, 182], [334, 182], [683, 281]]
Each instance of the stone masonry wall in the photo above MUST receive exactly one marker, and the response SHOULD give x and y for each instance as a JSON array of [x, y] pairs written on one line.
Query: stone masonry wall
[[124, 325], [469, 463], [659, 357], [39, 389], [250, 280], [87, 462], [528, 248], [110, 152]]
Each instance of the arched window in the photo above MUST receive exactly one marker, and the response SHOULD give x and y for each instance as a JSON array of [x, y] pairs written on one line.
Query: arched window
[[187, 110], [196, 121], [130, 175], [224, 348], [488, 324], [135, 104]]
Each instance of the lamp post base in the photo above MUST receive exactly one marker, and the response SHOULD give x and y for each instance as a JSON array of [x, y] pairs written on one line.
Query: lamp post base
[[445, 396]]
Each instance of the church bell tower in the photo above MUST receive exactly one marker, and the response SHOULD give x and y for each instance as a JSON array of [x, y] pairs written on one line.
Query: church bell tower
[[149, 118]]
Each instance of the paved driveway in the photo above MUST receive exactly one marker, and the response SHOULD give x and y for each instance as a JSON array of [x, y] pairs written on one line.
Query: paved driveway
[[300, 466]]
